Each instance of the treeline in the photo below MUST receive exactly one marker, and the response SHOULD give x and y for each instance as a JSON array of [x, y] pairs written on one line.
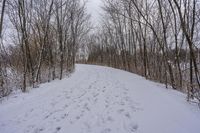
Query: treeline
[[157, 39], [44, 41]]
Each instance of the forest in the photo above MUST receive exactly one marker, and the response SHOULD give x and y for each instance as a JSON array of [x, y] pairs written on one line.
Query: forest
[[46, 36], [157, 39]]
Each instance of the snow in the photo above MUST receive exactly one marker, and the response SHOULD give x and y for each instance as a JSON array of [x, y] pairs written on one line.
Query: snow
[[97, 99]]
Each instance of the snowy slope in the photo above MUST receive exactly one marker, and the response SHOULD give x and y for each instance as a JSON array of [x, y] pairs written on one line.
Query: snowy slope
[[99, 100]]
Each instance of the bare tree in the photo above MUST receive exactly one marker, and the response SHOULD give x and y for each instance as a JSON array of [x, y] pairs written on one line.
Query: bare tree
[[2, 73], [47, 37], [153, 39]]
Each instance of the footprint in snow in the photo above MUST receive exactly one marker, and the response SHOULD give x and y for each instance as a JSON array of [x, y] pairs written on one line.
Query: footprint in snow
[[38, 130], [66, 106], [128, 115], [122, 103], [133, 108], [2, 125], [120, 111], [87, 108], [106, 101], [125, 93], [58, 129], [29, 128], [47, 116], [131, 127], [78, 117], [127, 99], [59, 96], [86, 104], [90, 87], [95, 95], [110, 119], [31, 110], [87, 126], [68, 97], [107, 130], [95, 101], [125, 89], [71, 122], [64, 116]]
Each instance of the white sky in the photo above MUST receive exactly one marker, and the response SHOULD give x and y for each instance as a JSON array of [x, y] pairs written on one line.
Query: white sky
[[94, 8]]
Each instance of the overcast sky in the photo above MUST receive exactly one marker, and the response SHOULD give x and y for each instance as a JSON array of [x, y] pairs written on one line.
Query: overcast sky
[[94, 8]]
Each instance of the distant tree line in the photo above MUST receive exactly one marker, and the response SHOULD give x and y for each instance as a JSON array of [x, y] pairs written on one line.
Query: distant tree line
[[158, 39], [45, 38]]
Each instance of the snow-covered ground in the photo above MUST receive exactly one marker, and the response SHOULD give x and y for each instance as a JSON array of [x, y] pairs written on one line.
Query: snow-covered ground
[[99, 100]]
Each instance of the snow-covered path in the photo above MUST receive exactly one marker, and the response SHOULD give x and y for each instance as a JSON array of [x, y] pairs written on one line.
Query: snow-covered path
[[99, 100]]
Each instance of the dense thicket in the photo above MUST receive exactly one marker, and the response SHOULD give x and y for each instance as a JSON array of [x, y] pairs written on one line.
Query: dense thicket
[[45, 37], [157, 39]]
